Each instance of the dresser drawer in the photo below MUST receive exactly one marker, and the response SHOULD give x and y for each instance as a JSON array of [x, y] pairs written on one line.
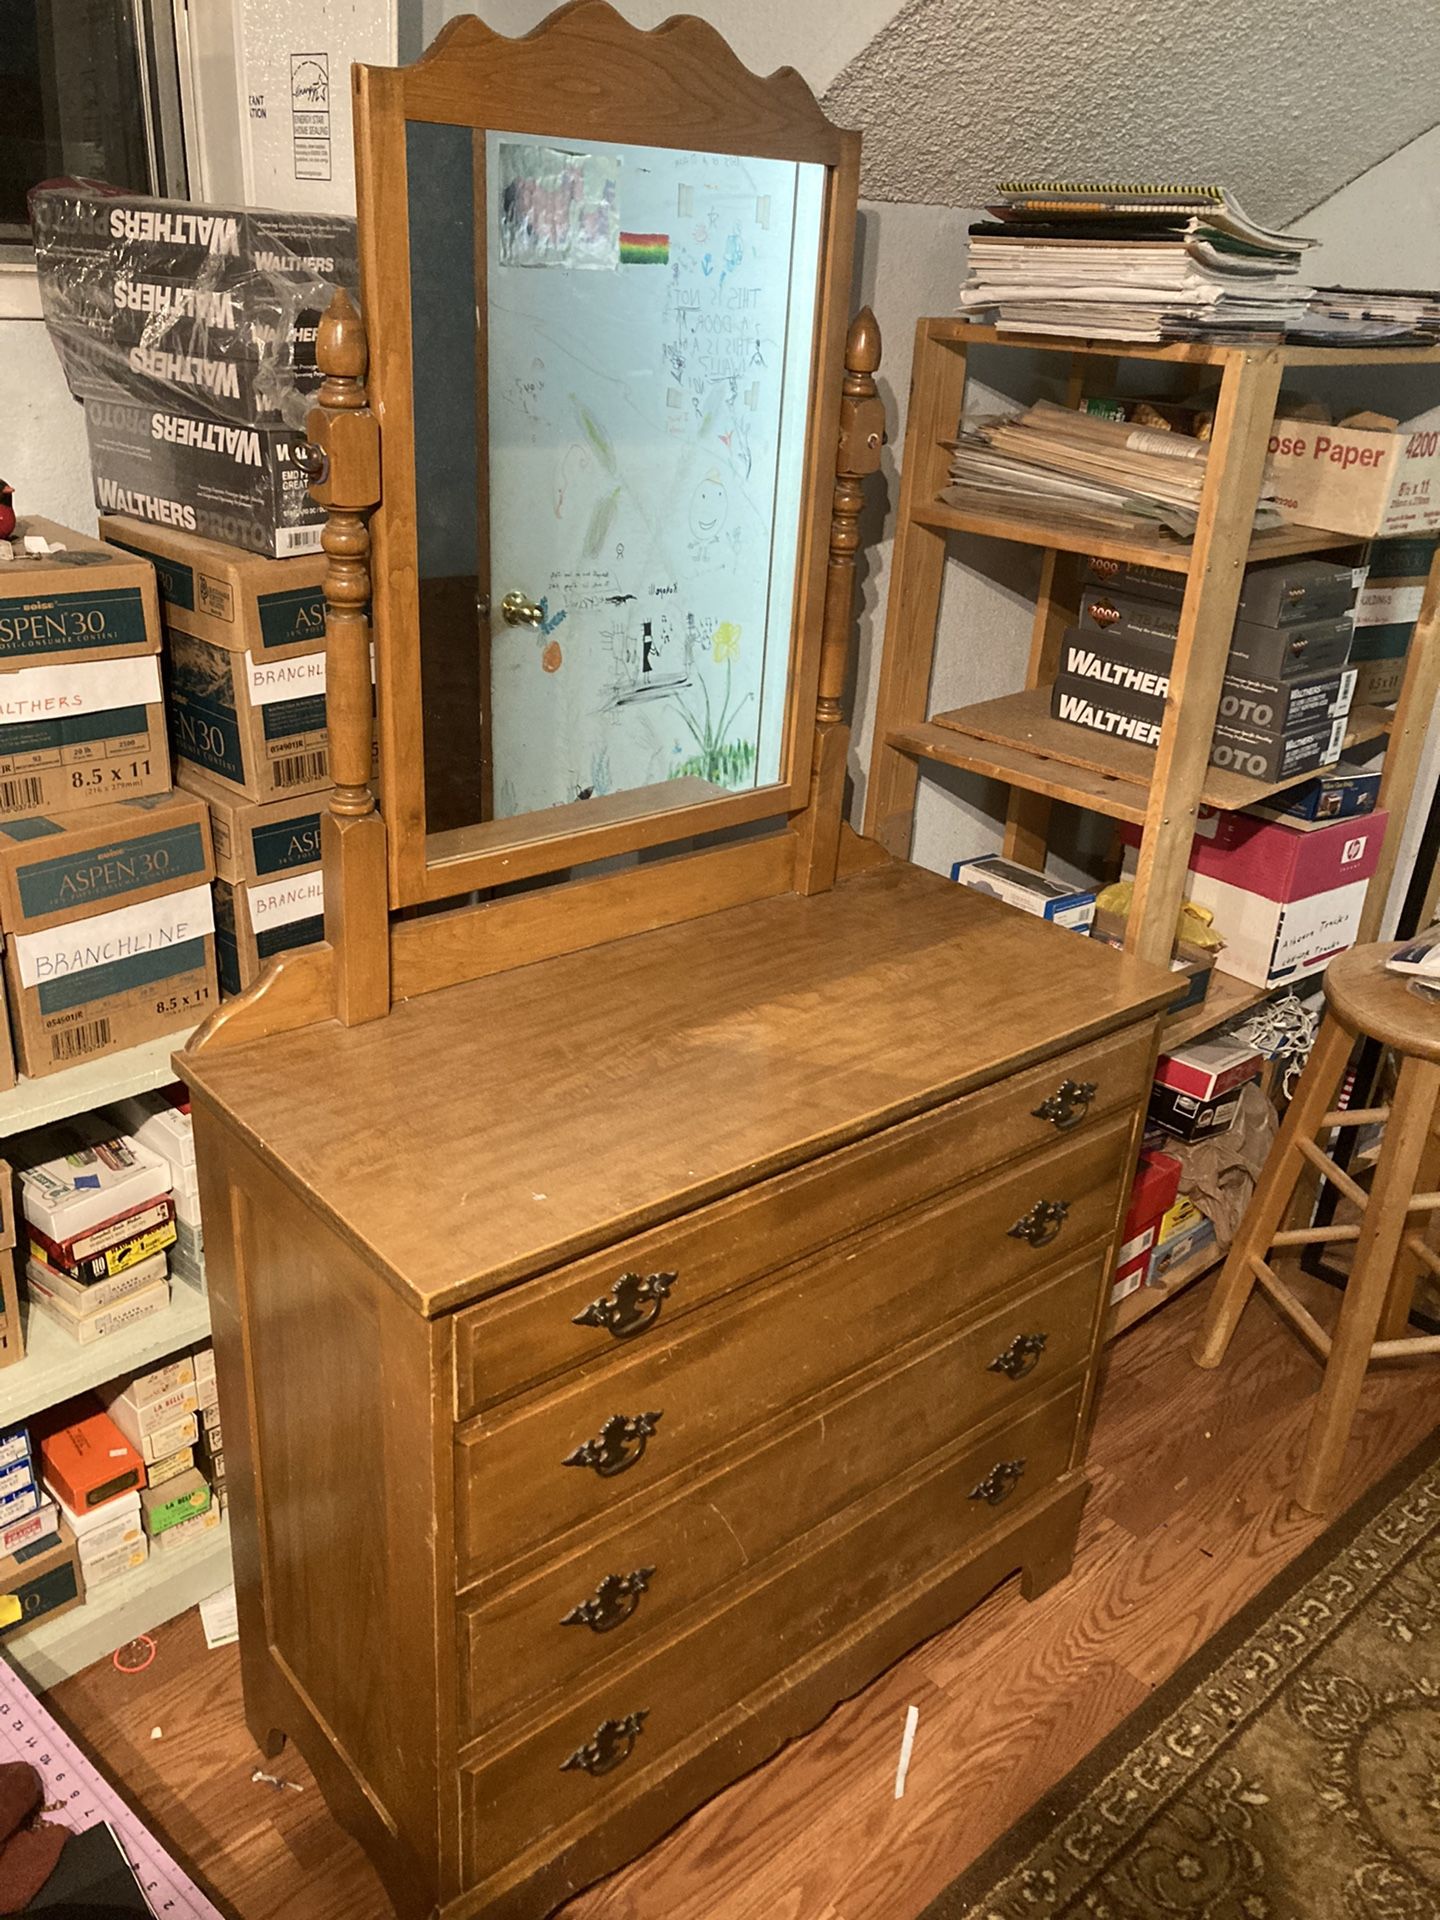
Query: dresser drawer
[[850, 1568], [637, 1291], [599, 1605], [614, 1433]]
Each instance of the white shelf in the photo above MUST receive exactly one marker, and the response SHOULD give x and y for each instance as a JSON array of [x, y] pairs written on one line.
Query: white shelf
[[33, 1103], [56, 1367], [136, 1603]]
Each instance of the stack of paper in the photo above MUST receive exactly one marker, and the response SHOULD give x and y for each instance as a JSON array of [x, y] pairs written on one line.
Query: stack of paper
[[1397, 315], [1131, 263], [1101, 473]]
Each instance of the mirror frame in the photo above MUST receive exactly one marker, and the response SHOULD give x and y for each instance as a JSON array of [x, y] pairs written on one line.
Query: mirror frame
[[692, 92]]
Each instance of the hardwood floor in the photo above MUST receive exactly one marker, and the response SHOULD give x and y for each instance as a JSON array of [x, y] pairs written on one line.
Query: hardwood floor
[[1190, 1516]]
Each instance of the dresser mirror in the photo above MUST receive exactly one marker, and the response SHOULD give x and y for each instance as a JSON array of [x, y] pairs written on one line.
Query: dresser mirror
[[604, 338]]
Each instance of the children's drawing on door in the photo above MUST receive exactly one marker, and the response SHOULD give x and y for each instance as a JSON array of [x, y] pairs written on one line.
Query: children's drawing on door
[[647, 434]]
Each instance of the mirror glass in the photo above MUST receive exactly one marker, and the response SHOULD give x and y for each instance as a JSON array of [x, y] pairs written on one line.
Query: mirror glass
[[612, 364]]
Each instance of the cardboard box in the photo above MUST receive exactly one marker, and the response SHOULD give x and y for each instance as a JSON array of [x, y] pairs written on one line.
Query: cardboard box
[[1118, 661], [15, 1479], [111, 929], [81, 735], [37, 1528], [1262, 755], [14, 1442], [257, 839], [241, 485], [90, 602], [1206, 1068], [258, 725], [1031, 892], [98, 1568], [160, 1120], [12, 1333], [84, 1457], [45, 1579], [219, 593], [122, 1244], [1275, 593], [79, 1176], [167, 1506], [100, 1322], [1184, 1233], [140, 1414], [189, 1532], [153, 1440], [1124, 714], [14, 1506], [1378, 682], [1344, 793], [115, 1524], [254, 923], [1360, 480], [1285, 706], [1190, 1118], [43, 1281], [170, 1466], [1288, 653], [156, 1384]]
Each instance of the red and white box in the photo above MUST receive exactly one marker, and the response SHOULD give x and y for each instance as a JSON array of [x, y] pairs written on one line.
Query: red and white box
[[1157, 1181], [1197, 1088], [1286, 896]]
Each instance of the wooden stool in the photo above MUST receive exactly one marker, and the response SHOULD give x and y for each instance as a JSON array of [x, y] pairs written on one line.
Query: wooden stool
[[1362, 999]]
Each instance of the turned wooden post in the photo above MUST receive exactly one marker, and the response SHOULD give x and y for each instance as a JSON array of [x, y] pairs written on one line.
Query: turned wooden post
[[345, 457], [862, 435]]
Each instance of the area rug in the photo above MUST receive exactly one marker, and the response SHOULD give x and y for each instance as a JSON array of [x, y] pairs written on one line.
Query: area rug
[[1289, 1771]]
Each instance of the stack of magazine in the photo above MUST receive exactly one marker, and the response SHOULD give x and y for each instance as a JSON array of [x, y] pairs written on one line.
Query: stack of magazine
[[1137, 263], [1105, 474], [1420, 963]]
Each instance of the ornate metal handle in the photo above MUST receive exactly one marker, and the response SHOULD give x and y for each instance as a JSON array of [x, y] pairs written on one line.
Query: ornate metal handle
[[613, 1744], [312, 460], [1040, 1223], [999, 1483], [1022, 1356], [618, 1445], [612, 1603], [520, 612], [632, 1307], [1068, 1105]]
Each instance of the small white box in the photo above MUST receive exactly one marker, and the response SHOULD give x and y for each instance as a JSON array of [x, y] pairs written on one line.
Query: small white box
[[29, 1529], [1031, 892], [186, 1532], [115, 1523], [203, 1360], [158, 1123], [88, 1327], [138, 1420], [155, 1382], [100, 1567]]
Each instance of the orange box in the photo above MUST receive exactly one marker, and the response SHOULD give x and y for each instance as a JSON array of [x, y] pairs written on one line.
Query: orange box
[[85, 1458]]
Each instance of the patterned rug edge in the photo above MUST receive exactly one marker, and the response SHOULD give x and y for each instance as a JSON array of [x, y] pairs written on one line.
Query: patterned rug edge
[[1013, 1847]]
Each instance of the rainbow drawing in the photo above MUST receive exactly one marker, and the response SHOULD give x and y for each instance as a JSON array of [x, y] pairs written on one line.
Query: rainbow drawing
[[644, 249]]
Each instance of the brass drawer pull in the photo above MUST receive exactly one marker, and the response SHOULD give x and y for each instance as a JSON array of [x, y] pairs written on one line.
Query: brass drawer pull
[[999, 1483], [613, 1744], [612, 1603], [1041, 1223], [618, 1445], [1022, 1356], [634, 1305], [1068, 1105]]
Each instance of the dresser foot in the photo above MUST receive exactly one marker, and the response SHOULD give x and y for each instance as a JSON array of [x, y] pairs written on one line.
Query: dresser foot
[[270, 1740], [1039, 1575]]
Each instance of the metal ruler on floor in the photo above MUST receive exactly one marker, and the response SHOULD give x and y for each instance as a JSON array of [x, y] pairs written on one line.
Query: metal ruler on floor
[[77, 1796]]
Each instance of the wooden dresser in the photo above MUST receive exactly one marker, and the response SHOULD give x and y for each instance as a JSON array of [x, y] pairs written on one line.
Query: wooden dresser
[[608, 1395]]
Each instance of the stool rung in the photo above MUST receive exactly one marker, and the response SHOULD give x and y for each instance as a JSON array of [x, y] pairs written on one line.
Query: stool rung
[[1358, 1117], [1313, 1236], [1418, 1344], [1426, 1255], [1336, 1175], [1423, 1203], [1303, 1321]]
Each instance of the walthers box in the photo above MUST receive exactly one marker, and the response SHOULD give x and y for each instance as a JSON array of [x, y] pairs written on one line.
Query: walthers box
[[173, 303], [1107, 708], [238, 484], [1359, 479], [255, 723], [1286, 706], [221, 594], [110, 926], [1279, 593], [1264, 755], [1269, 652], [1343, 794], [1031, 892]]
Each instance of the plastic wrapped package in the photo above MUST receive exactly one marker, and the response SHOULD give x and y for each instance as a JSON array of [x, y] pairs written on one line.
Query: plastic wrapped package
[[193, 309]]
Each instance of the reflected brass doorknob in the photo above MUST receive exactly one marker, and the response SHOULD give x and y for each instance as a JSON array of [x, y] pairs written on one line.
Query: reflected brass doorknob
[[520, 612]]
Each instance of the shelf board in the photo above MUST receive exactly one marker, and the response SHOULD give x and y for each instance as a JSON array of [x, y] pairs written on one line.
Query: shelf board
[[1080, 786], [1147, 1300], [1227, 997], [955, 332], [1146, 549], [34, 1103], [55, 1367], [121, 1609], [1045, 755]]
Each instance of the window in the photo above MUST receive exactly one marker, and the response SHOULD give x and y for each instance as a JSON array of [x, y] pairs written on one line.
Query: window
[[90, 87]]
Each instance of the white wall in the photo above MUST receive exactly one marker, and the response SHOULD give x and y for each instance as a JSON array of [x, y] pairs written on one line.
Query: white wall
[[42, 430]]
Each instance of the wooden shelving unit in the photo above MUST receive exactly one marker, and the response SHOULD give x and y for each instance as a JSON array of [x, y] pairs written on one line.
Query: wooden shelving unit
[[35, 1103], [1014, 739]]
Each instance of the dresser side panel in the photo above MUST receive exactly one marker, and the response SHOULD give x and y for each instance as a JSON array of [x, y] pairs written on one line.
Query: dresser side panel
[[329, 1385]]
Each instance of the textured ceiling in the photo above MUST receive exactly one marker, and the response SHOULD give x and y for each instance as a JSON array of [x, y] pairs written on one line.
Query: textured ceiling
[[1282, 101]]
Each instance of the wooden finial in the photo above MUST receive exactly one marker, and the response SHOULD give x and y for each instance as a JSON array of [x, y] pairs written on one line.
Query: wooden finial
[[342, 353], [862, 344]]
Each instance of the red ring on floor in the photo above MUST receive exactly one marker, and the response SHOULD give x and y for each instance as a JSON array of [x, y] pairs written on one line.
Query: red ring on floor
[[142, 1640]]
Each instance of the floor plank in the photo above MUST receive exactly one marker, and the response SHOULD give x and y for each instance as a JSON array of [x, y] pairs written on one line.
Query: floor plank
[[1191, 1515]]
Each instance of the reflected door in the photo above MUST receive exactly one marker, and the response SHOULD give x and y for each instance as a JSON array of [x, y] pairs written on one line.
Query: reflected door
[[650, 317]]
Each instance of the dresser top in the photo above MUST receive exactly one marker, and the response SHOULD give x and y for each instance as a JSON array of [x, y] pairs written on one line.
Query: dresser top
[[486, 1132]]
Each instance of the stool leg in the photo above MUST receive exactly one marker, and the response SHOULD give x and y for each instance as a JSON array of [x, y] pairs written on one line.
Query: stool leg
[[1272, 1191], [1395, 1320], [1407, 1135]]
